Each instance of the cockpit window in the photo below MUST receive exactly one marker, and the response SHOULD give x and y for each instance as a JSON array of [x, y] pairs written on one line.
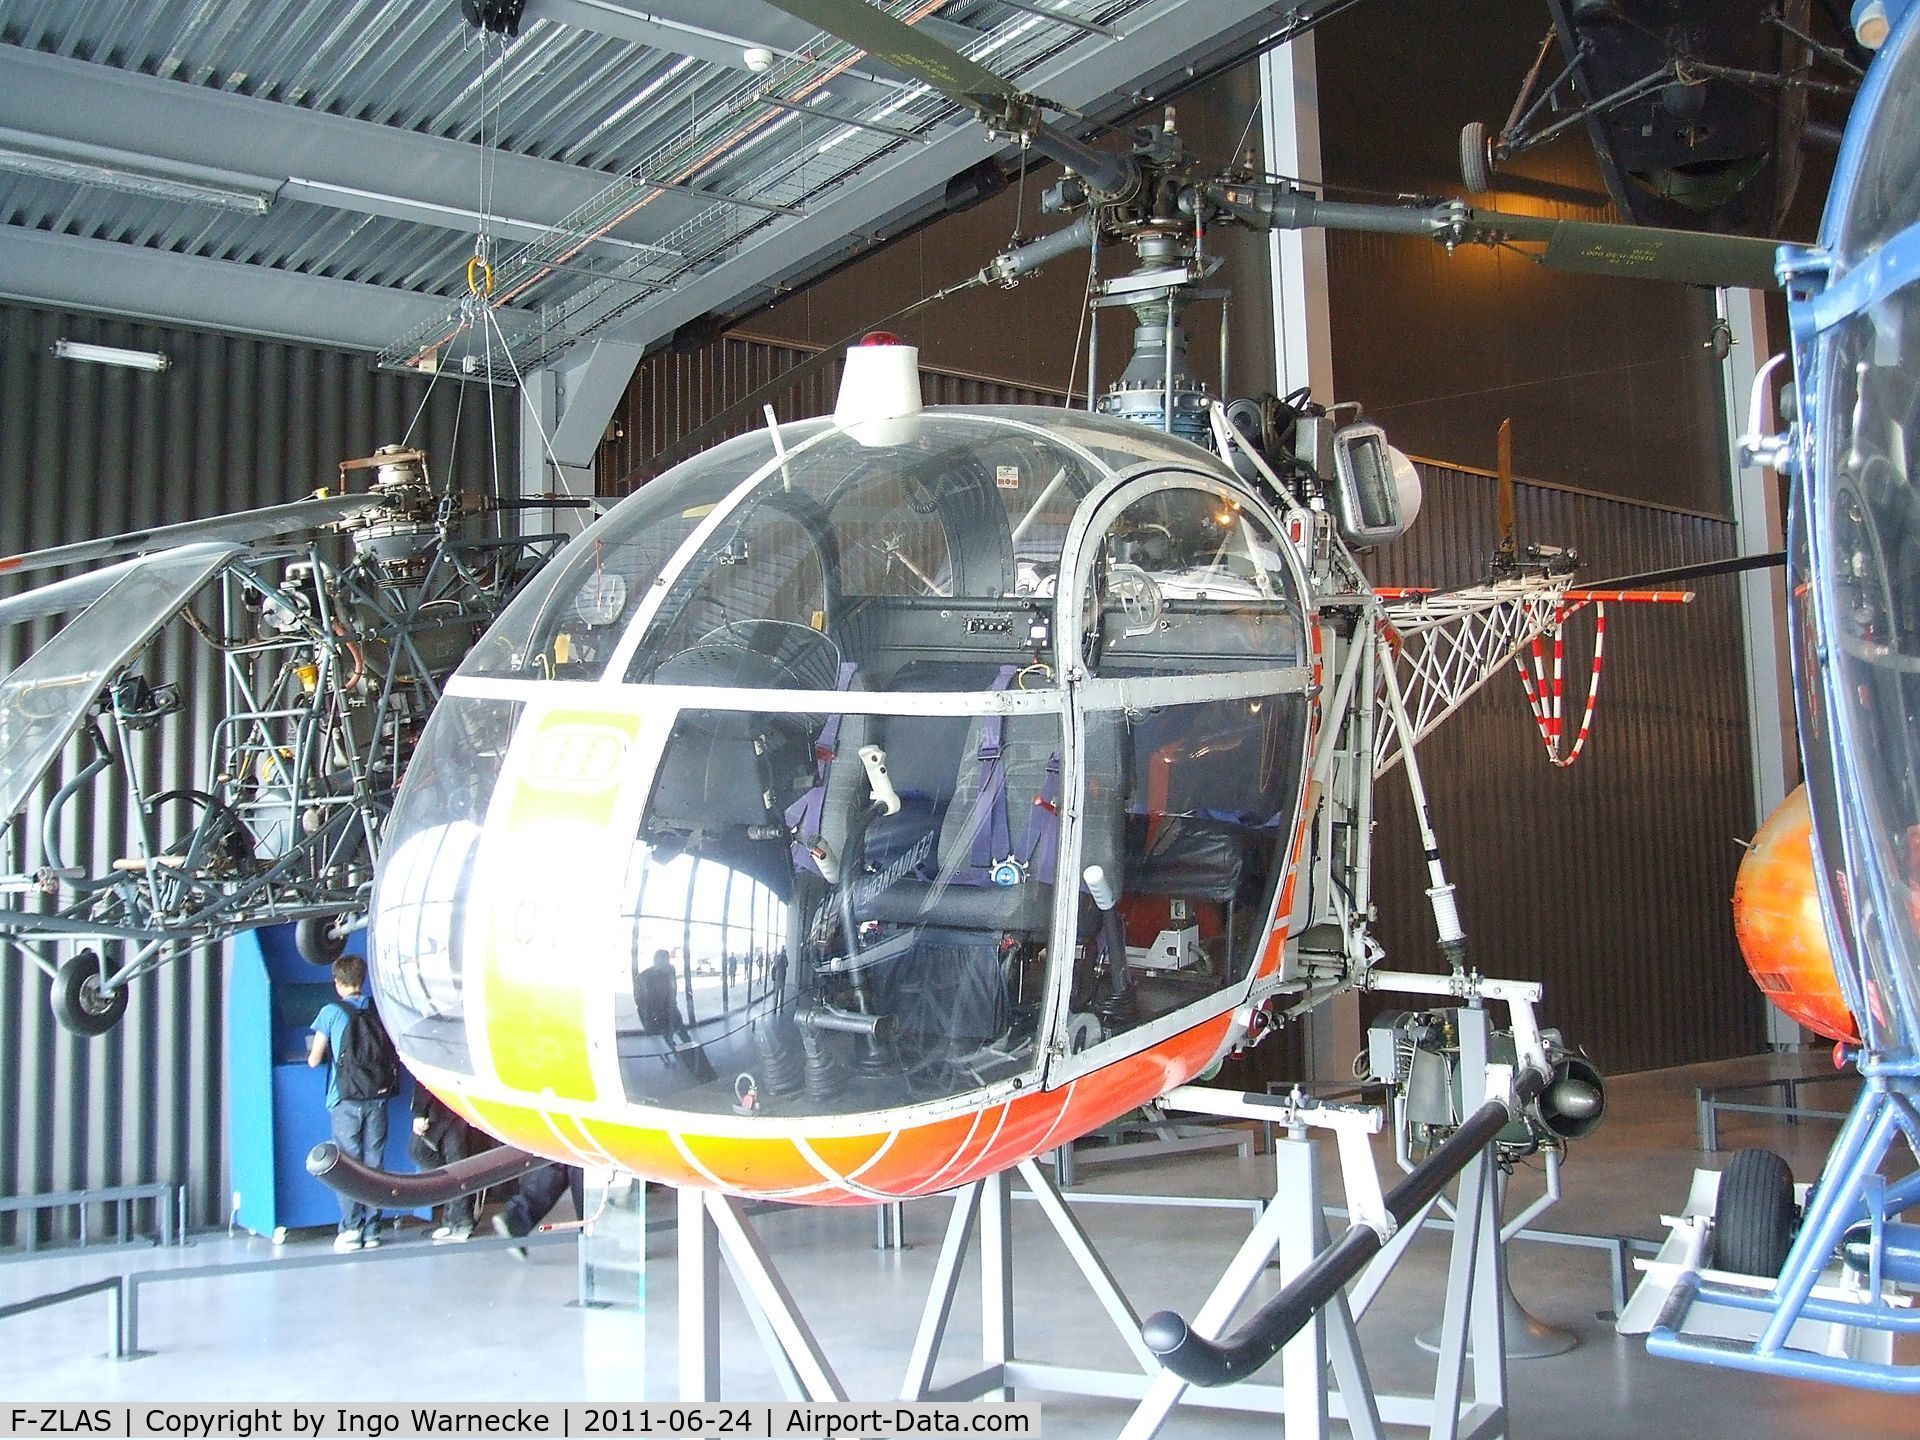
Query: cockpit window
[[1185, 580], [945, 545], [564, 626], [792, 935]]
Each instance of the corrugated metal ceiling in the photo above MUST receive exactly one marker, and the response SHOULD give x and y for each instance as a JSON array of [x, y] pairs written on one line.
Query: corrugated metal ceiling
[[602, 113]]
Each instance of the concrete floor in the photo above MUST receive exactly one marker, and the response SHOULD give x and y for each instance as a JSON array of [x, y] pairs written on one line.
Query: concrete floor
[[485, 1327]]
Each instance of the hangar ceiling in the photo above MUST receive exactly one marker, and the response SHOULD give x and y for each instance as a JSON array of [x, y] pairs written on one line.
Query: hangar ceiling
[[320, 169]]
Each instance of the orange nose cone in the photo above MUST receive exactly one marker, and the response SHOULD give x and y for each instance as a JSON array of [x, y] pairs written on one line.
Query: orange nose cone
[[1776, 917]]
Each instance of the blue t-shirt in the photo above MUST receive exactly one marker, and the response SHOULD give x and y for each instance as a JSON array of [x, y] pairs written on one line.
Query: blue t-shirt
[[332, 1023]]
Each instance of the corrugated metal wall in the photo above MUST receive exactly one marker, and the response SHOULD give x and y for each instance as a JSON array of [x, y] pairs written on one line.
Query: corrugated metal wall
[[1610, 881], [87, 450], [672, 394]]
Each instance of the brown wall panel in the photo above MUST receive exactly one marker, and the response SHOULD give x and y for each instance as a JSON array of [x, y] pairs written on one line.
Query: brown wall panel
[[1607, 380], [672, 395], [1609, 881]]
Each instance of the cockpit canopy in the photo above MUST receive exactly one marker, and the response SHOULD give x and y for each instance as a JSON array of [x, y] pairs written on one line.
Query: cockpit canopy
[[822, 777], [1856, 550]]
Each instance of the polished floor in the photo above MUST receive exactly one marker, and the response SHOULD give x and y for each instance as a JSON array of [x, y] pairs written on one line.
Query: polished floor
[[456, 1324]]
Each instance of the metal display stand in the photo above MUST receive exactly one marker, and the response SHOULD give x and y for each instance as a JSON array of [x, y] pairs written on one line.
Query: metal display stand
[[1323, 1372]]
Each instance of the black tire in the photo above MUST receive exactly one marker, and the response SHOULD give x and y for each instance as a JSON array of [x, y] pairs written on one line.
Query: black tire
[[78, 1001], [1755, 1217], [316, 942], [1475, 171]]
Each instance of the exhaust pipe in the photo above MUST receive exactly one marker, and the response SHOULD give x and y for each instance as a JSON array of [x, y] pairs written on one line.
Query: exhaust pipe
[[341, 1172], [1200, 1361]]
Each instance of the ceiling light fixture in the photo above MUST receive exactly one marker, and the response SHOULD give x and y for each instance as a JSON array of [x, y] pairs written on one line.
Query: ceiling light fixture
[[110, 355], [133, 182]]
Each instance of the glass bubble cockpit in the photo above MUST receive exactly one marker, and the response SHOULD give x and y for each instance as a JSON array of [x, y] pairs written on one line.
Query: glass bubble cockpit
[[1856, 550], [849, 769]]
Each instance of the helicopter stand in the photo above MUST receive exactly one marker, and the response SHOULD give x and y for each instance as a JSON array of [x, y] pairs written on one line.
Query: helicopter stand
[[1291, 1227]]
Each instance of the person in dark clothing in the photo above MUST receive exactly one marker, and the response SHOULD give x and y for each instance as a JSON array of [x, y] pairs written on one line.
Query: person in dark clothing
[[441, 1137], [537, 1194], [654, 998], [359, 1126]]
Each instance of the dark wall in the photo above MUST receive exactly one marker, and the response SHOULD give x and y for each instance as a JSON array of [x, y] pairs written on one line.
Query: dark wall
[[672, 395], [1609, 880], [1607, 381], [87, 450]]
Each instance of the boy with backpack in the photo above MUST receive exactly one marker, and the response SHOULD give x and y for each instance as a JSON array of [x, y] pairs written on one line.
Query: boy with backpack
[[362, 1071]]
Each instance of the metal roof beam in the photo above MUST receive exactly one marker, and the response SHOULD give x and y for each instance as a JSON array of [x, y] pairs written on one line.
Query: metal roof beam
[[1160, 40], [76, 273], [365, 164], [719, 40]]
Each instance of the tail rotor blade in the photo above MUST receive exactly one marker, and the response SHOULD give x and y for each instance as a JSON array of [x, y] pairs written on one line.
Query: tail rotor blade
[[1505, 472], [1735, 565]]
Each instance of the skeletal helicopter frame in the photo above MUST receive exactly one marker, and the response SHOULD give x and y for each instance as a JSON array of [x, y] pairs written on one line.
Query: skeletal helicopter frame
[[328, 673]]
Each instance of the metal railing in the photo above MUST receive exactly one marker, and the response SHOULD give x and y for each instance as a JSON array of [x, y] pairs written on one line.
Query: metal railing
[[169, 1203], [114, 1287]]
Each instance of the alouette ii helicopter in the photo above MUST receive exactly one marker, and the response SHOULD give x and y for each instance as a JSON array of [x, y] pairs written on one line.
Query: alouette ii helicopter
[[331, 663], [1843, 1259], [872, 803]]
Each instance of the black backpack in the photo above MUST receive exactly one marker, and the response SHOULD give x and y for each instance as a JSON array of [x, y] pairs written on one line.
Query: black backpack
[[366, 1067]]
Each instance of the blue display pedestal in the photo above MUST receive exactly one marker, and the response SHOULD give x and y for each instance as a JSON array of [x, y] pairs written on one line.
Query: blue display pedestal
[[276, 1102]]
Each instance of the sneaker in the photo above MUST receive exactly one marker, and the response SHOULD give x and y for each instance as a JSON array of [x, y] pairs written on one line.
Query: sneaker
[[372, 1242], [452, 1233], [348, 1240], [505, 1231]]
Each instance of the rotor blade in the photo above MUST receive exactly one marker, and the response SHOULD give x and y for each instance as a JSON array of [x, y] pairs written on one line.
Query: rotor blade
[[1505, 476], [46, 699], [1630, 251], [913, 51], [74, 593], [1641, 252], [261, 524], [1736, 565], [988, 97]]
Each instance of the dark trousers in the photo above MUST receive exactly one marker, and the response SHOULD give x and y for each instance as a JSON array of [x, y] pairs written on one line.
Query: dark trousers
[[360, 1130], [540, 1192]]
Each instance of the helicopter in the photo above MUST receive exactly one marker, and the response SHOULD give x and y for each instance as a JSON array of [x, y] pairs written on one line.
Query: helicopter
[[871, 803], [1698, 113], [330, 667], [1852, 588]]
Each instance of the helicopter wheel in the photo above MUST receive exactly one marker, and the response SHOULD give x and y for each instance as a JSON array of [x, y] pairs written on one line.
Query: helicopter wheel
[[80, 1002], [1476, 169], [1754, 1217], [316, 942]]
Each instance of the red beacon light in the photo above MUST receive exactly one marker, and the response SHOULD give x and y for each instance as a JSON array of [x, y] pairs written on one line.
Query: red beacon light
[[879, 399]]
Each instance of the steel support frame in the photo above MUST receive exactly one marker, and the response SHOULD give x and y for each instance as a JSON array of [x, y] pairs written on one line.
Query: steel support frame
[[1324, 1376], [1850, 1192], [1297, 259], [1451, 644]]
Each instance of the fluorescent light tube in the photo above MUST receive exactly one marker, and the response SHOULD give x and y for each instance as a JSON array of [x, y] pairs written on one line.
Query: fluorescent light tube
[[110, 355]]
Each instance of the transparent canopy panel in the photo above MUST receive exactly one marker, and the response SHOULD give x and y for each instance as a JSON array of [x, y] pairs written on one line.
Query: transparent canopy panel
[[1857, 557], [767, 804]]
